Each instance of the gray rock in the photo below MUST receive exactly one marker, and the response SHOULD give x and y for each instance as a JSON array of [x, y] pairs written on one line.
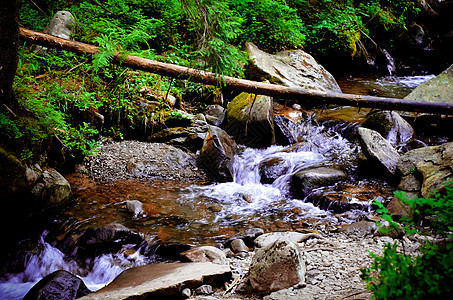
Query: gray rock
[[277, 266], [62, 25], [238, 245], [52, 188], [269, 238], [437, 89], [190, 137], [294, 68], [377, 149], [186, 293], [135, 207], [310, 292], [306, 180], [271, 168], [217, 154], [161, 280], [58, 285], [426, 169], [391, 126], [250, 120], [215, 114], [205, 289], [206, 254], [359, 229]]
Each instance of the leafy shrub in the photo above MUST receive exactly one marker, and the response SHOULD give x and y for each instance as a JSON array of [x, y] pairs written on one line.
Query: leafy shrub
[[428, 276]]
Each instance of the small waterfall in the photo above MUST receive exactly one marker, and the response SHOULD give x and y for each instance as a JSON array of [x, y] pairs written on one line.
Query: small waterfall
[[49, 259], [390, 62]]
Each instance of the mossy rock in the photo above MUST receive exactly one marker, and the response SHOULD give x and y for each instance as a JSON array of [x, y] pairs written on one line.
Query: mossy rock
[[250, 120]]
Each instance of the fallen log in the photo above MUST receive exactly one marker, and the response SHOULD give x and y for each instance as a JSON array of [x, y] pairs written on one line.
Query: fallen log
[[300, 95]]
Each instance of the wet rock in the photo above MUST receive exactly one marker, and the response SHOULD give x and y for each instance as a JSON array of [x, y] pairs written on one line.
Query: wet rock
[[62, 25], [294, 68], [344, 197], [378, 150], [217, 154], [206, 254], [158, 281], [296, 237], [391, 126], [135, 207], [250, 120], [277, 266], [110, 239], [238, 245], [306, 180], [205, 289], [188, 137], [215, 114], [271, 168], [51, 189], [438, 89], [426, 169], [359, 229], [60, 285]]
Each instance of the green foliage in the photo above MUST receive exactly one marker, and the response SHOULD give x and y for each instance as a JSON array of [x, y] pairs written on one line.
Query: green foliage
[[428, 276], [272, 25]]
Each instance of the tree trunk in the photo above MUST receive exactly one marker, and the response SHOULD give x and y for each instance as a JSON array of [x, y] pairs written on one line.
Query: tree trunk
[[303, 96], [9, 44]]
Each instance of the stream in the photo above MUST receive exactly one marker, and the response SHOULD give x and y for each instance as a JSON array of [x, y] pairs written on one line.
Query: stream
[[196, 214]]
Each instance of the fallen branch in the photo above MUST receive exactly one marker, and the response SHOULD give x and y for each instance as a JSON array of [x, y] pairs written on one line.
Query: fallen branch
[[303, 96]]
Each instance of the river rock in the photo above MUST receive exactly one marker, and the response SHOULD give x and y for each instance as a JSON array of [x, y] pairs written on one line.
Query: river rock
[[378, 150], [426, 169], [109, 239], [306, 180], [359, 229], [190, 137], [217, 154], [206, 254], [269, 238], [135, 207], [161, 281], [58, 285], [271, 168], [215, 114], [293, 68], [238, 245], [62, 25], [277, 266], [250, 120], [437, 89], [52, 188], [391, 126]]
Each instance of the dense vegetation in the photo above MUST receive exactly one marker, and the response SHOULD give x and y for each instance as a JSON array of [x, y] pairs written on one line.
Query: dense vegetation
[[397, 275], [61, 93]]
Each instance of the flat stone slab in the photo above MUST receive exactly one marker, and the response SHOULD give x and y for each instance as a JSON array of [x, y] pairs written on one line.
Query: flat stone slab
[[161, 280]]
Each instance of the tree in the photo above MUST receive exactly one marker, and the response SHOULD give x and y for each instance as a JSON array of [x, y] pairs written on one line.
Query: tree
[[9, 44]]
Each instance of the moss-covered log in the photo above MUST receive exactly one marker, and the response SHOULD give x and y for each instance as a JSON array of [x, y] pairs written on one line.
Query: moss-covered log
[[303, 96]]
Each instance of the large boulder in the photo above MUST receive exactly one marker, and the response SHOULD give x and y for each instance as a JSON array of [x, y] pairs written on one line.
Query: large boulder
[[437, 89], [250, 120], [378, 150], [426, 169], [306, 180], [62, 25], [51, 189], [188, 137], [293, 68], [391, 126], [277, 266], [162, 281], [59, 285], [217, 154]]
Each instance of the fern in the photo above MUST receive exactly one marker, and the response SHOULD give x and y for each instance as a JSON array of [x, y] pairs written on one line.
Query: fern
[[106, 52]]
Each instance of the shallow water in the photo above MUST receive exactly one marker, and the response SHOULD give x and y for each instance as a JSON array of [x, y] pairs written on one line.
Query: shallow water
[[208, 213]]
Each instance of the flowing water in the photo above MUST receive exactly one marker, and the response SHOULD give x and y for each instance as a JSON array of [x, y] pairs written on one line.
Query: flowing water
[[206, 214]]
